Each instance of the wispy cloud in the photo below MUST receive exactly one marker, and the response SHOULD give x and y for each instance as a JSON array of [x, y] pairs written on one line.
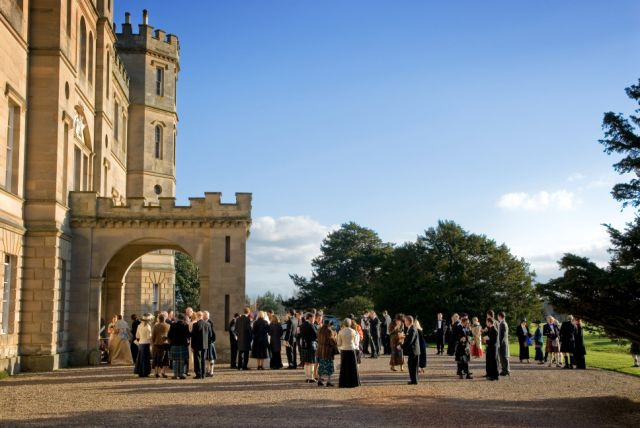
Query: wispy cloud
[[562, 200]]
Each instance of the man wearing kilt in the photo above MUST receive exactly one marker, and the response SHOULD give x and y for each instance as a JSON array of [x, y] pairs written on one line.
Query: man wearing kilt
[[179, 340]]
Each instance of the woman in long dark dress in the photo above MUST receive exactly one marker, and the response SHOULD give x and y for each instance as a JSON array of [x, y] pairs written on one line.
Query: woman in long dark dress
[[523, 334], [422, 360], [580, 350], [275, 345], [260, 345], [491, 340], [348, 342]]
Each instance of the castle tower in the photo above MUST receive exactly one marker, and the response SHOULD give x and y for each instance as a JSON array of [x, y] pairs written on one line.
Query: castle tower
[[151, 59], [152, 62]]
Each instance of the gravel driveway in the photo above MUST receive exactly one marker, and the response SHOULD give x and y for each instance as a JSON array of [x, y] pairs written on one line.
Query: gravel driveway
[[533, 396]]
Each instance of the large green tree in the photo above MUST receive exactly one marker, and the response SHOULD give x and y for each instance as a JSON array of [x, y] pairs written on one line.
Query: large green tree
[[448, 269], [187, 283], [609, 297], [269, 301], [351, 258]]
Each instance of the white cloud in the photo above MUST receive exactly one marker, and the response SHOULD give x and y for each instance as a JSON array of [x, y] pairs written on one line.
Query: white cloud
[[279, 247], [560, 200], [576, 177]]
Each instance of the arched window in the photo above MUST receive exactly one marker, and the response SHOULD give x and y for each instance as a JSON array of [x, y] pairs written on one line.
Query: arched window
[[83, 46], [108, 78], [158, 140], [90, 57]]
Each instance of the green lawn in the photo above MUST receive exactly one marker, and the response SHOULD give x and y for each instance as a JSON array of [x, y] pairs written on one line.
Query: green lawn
[[602, 353]]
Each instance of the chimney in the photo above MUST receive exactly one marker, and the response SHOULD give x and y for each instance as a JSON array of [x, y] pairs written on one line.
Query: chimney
[[127, 18], [145, 17]]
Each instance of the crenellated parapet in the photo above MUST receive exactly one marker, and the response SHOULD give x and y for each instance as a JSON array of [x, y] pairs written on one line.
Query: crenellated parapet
[[90, 210], [147, 39], [120, 72]]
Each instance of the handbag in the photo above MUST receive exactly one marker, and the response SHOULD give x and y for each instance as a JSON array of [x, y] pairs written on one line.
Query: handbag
[[529, 342]]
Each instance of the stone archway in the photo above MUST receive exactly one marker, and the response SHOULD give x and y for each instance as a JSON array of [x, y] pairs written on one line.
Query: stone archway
[[107, 239]]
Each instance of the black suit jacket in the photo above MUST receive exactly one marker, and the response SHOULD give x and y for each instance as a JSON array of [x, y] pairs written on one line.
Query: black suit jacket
[[200, 335], [411, 345], [243, 331], [442, 330]]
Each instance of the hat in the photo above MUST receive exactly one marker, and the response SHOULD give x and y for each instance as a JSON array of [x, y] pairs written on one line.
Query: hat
[[537, 322], [147, 317]]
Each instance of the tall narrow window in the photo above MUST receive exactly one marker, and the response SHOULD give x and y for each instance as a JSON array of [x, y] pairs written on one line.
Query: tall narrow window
[[158, 140], [62, 299], [7, 282], [90, 57], [11, 153], [159, 81], [65, 171], [77, 169], [155, 301], [174, 148], [69, 18], [108, 78], [85, 172], [116, 120], [83, 46], [124, 131], [226, 312], [227, 249], [105, 187]]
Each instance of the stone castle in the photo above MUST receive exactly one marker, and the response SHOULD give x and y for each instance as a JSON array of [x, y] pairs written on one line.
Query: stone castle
[[88, 220]]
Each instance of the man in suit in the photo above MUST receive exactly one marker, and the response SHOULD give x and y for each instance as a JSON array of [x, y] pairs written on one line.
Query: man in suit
[[411, 348], [374, 330], [200, 336], [233, 341], [290, 339], [243, 331], [440, 331], [385, 325], [503, 341]]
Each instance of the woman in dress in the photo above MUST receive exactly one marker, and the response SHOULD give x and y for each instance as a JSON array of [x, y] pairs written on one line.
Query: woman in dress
[[580, 350], [348, 342], [160, 341], [523, 334], [260, 345], [538, 341], [396, 338], [422, 360], [308, 346], [275, 345], [491, 340], [211, 355], [327, 348], [476, 343], [119, 347], [143, 339]]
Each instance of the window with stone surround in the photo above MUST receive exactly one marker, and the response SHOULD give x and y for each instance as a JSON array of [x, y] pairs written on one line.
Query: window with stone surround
[[155, 298], [116, 119], [159, 81], [69, 18], [83, 47], [90, 71], [5, 294], [158, 142], [12, 146], [227, 249]]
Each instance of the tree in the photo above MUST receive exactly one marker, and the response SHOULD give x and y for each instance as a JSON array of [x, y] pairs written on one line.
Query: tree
[[451, 270], [187, 283], [355, 305], [350, 260], [269, 301], [609, 297]]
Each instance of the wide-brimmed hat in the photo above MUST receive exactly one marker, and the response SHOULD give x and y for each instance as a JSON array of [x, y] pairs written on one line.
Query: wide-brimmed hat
[[147, 317]]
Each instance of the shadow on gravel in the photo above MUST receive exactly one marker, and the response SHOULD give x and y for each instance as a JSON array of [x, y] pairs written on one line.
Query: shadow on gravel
[[398, 410]]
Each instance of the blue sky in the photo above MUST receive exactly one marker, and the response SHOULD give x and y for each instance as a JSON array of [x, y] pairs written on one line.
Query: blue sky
[[397, 114]]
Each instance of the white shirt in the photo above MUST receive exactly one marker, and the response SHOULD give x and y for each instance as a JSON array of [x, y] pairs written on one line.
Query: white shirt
[[348, 339], [143, 334]]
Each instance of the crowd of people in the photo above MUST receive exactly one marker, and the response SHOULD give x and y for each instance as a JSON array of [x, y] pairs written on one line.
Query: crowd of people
[[162, 342]]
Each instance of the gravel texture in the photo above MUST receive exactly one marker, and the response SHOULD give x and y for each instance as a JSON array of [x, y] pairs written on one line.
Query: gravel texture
[[533, 396]]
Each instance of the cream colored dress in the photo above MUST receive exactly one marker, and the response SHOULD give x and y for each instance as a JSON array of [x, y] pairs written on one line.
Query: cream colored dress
[[119, 347]]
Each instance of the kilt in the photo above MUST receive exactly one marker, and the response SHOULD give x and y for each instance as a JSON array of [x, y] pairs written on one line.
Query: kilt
[[308, 356], [211, 352], [179, 353], [160, 355]]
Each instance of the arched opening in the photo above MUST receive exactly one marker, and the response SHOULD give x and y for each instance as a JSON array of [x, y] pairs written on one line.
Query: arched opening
[[148, 276]]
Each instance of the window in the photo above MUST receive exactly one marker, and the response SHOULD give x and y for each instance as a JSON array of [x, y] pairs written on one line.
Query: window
[[83, 46], [159, 81], [77, 169], [90, 58], [13, 134], [124, 131], [65, 171], [155, 303], [69, 18], [7, 282], [105, 188], [227, 249], [158, 141], [108, 78], [62, 299], [116, 120], [226, 312], [85, 172]]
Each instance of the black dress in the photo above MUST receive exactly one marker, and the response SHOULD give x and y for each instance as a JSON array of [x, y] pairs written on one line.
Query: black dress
[[451, 340], [260, 334], [349, 376], [422, 362], [580, 350], [522, 340], [567, 337], [275, 333], [492, 354]]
